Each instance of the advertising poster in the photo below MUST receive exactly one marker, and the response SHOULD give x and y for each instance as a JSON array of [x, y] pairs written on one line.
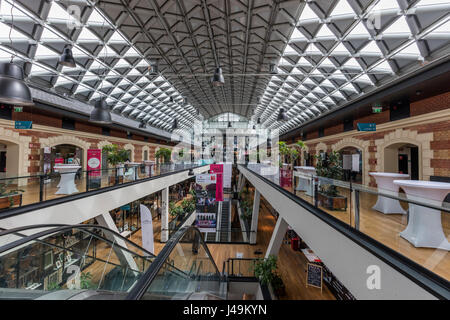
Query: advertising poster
[[218, 170], [147, 229], [206, 206], [94, 162], [59, 160]]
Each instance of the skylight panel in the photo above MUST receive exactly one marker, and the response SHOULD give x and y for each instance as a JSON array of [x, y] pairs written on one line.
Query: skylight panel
[[340, 49], [359, 29], [63, 81], [307, 14], [44, 52], [78, 53], [15, 35], [117, 38], [400, 26], [412, 49], [325, 32], [383, 67], [87, 35], [132, 53], [97, 19], [122, 63], [289, 50], [5, 10], [47, 34], [57, 12], [297, 35], [106, 52], [384, 5], [342, 8], [371, 47]]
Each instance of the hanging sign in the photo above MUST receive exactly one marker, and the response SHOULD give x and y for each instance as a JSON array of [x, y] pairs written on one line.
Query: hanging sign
[[18, 109], [218, 170], [23, 125], [205, 178], [94, 162], [147, 229]]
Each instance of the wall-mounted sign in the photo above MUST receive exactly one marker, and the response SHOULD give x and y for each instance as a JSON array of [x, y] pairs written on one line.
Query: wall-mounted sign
[[367, 127], [218, 170], [377, 109], [23, 124], [18, 109]]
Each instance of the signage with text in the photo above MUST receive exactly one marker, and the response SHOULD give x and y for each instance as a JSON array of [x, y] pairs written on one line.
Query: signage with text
[[218, 170], [367, 127], [23, 125], [94, 162]]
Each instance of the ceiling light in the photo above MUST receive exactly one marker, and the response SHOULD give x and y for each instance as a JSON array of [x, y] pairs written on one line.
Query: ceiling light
[[191, 172], [258, 121], [66, 59], [229, 124], [175, 124], [13, 90], [142, 125], [101, 113], [153, 68], [218, 80], [273, 68], [282, 115]]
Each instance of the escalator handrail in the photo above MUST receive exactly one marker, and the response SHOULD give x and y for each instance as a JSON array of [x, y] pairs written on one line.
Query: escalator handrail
[[150, 274], [63, 227]]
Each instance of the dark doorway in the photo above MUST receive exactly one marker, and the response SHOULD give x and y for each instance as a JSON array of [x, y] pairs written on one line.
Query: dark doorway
[[414, 163], [3, 161], [403, 163]]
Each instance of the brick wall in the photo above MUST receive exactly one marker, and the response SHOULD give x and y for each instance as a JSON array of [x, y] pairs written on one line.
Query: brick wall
[[439, 143]]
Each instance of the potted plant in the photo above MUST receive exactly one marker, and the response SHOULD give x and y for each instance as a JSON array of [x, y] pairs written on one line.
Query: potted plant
[[163, 155], [330, 167], [288, 154], [115, 156], [9, 198], [266, 271]]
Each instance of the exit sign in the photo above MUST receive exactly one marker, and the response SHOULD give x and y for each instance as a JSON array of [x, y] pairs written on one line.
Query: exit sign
[[377, 109], [367, 127], [18, 109]]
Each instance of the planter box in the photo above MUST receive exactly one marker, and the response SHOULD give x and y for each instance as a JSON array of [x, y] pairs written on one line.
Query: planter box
[[333, 203], [5, 201]]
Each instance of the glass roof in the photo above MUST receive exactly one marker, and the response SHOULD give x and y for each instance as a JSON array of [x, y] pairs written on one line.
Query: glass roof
[[340, 50], [328, 52], [107, 66]]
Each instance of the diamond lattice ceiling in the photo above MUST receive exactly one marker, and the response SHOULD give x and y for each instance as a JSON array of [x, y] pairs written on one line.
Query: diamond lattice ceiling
[[328, 52]]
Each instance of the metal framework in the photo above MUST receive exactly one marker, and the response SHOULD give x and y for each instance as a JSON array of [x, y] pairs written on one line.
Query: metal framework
[[328, 53]]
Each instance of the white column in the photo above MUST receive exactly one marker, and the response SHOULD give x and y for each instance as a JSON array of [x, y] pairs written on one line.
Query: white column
[[165, 215], [277, 237], [125, 257], [255, 214]]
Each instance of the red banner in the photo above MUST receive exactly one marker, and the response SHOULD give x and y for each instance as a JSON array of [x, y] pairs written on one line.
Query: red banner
[[94, 161], [218, 170], [59, 160]]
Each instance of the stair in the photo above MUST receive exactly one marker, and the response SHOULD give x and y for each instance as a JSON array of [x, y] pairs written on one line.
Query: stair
[[225, 225]]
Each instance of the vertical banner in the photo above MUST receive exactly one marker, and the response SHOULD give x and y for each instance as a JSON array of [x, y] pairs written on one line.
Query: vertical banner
[[218, 170], [94, 162], [147, 229]]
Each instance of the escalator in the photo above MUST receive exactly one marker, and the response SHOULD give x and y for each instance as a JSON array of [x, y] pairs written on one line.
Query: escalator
[[90, 262]]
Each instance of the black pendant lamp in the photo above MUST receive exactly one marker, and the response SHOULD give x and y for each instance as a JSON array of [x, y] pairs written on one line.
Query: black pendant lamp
[[218, 79], [258, 121], [191, 172], [142, 125], [13, 89], [229, 124], [282, 115], [101, 113], [66, 59], [273, 68], [175, 124]]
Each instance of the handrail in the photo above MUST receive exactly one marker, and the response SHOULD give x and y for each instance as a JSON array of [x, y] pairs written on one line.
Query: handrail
[[423, 277], [150, 274], [61, 228], [47, 203]]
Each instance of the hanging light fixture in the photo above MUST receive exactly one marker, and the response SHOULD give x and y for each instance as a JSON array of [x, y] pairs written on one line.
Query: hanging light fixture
[[175, 124], [191, 172], [273, 68], [185, 101], [153, 68], [282, 115], [218, 79], [142, 125], [66, 59], [101, 113], [258, 121], [13, 89]]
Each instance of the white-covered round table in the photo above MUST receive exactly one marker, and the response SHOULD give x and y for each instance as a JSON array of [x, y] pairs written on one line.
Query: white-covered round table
[[67, 182], [304, 184], [385, 182], [424, 227]]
